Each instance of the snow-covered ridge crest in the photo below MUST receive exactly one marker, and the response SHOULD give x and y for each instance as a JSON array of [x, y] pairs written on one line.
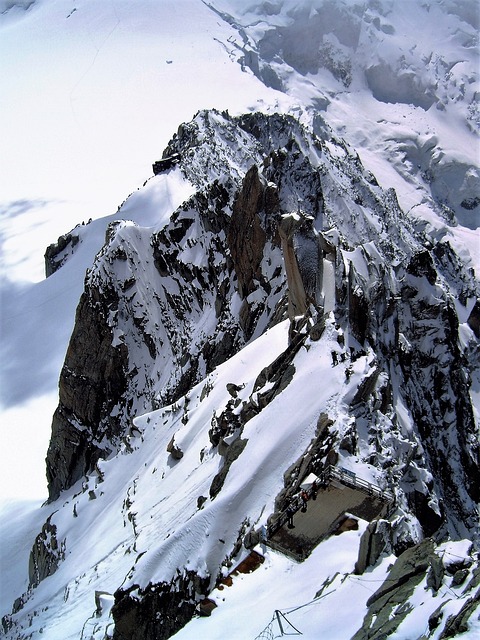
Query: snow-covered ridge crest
[[385, 57], [191, 273], [145, 282], [207, 377]]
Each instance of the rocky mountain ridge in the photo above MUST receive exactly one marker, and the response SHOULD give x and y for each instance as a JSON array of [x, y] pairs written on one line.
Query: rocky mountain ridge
[[283, 226], [285, 231], [235, 255], [263, 312]]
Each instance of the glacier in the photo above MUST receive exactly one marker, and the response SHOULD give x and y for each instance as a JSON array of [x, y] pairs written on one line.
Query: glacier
[[299, 290]]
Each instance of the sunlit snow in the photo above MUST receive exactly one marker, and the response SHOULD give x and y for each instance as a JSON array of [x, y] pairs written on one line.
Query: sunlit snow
[[90, 94]]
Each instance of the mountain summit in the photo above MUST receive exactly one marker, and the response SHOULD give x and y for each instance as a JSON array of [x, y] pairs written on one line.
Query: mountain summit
[[287, 317], [268, 405]]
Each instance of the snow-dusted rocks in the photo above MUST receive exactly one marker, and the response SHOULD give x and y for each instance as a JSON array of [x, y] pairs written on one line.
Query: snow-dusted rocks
[[46, 554], [158, 611], [57, 253], [262, 308], [385, 55], [425, 565], [93, 378], [214, 269], [286, 316]]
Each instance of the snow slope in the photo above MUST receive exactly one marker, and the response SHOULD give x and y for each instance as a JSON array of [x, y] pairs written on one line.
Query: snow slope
[[91, 94], [137, 519]]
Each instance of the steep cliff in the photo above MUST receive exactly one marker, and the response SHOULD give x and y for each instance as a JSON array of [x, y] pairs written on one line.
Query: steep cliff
[[162, 308], [369, 361]]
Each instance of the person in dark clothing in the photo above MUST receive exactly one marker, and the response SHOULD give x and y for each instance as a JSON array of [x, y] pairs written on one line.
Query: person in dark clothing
[[314, 490], [304, 498], [290, 514]]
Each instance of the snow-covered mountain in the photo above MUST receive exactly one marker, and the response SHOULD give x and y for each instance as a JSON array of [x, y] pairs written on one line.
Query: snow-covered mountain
[[265, 311]]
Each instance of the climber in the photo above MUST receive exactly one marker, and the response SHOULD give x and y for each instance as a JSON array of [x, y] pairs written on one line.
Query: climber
[[290, 514], [314, 490], [304, 498]]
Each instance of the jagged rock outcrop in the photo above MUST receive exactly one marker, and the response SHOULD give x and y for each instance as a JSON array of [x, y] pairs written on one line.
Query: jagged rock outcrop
[[57, 253], [246, 236], [164, 306], [303, 258], [158, 611], [387, 606], [46, 554], [459, 623], [93, 379], [390, 604], [253, 223], [376, 539], [127, 342], [437, 388], [174, 450]]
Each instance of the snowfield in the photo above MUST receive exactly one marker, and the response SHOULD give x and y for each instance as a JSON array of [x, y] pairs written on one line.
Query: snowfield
[[92, 92]]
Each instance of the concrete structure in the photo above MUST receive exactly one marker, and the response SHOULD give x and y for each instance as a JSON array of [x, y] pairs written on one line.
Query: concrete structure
[[340, 493]]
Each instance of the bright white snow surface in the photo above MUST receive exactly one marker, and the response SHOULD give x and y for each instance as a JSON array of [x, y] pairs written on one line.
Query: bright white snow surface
[[90, 93], [137, 519]]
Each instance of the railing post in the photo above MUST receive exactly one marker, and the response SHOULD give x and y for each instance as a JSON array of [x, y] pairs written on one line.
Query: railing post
[[277, 613]]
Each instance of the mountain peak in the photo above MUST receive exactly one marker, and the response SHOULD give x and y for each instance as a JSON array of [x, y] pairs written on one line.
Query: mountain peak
[[268, 403], [170, 311]]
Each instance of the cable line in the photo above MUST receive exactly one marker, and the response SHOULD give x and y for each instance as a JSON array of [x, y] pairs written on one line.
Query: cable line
[[280, 618]]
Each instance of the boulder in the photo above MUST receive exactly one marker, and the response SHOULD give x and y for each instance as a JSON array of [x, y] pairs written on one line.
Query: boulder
[[376, 539], [46, 554], [388, 606], [174, 450], [57, 253], [159, 610]]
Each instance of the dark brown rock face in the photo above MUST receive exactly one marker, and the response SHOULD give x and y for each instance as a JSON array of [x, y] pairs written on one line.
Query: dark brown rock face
[[92, 380], [474, 319], [46, 554], [251, 235], [358, 311], [246, 236], [57, 253], [158, 611], [303, 259]]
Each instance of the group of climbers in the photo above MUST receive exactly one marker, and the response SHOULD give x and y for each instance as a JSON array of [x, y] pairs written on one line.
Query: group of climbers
[[300, 499]]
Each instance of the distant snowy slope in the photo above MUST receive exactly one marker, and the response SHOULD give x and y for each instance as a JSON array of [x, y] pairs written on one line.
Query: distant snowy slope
[[296, 290], [37, 321], [90, 96], [397, 79]]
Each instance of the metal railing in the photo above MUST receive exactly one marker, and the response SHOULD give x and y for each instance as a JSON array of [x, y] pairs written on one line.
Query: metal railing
[[350, 479], [331, 473]]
